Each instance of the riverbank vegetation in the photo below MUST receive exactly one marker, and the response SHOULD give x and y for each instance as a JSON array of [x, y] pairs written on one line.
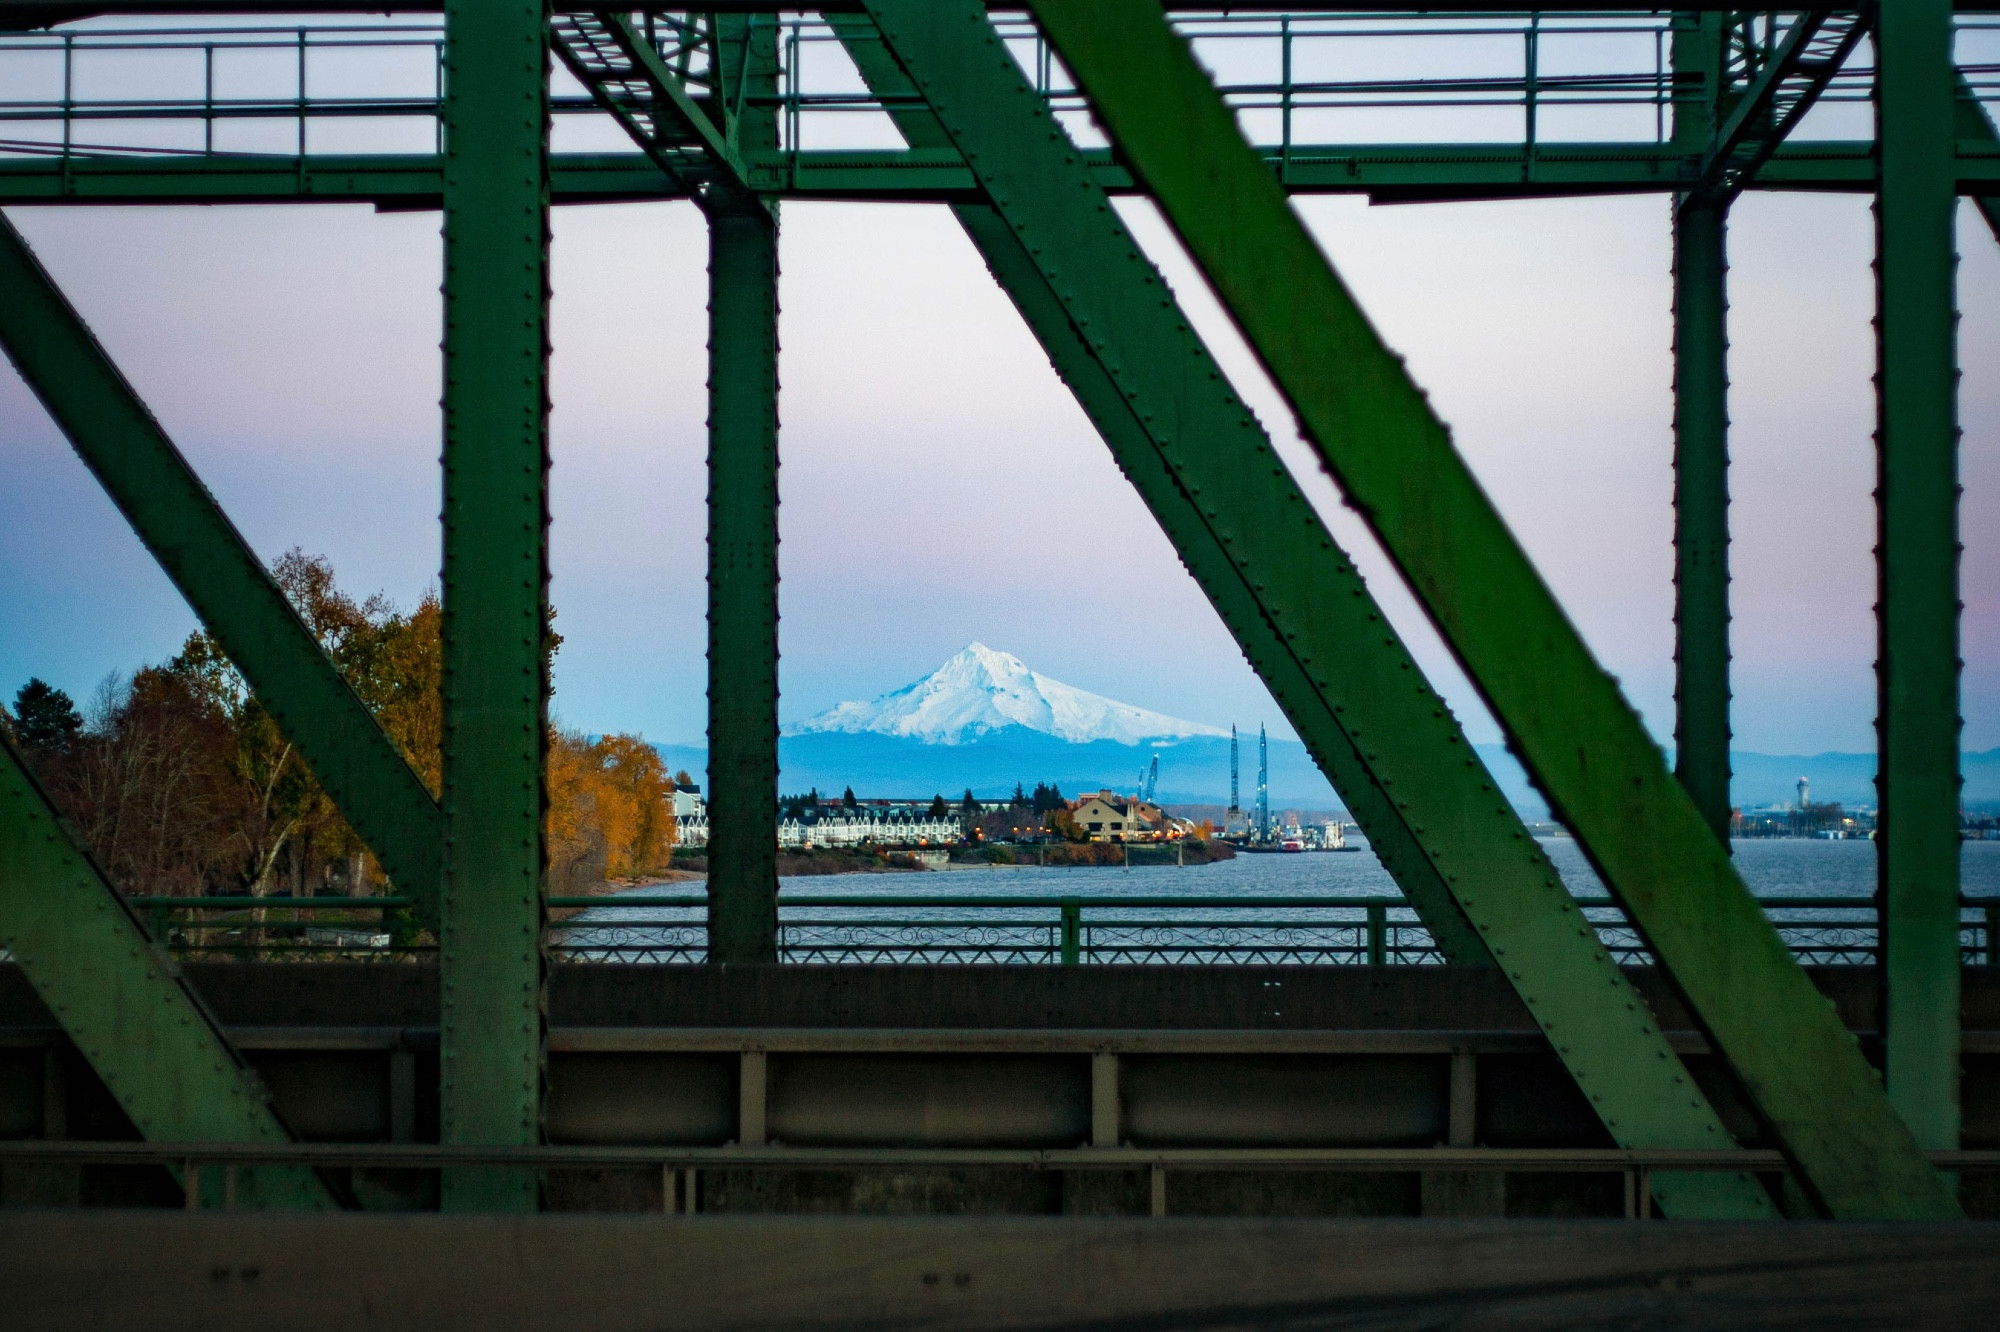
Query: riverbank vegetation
[[1188, 851], [820, 860], [178, 783]]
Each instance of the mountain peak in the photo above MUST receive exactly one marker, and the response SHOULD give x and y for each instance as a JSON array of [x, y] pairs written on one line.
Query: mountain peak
[[991, 659], [980, 690]]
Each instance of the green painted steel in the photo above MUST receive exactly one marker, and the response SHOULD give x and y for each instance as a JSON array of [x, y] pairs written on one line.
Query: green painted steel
[[743, 556], [1917, 608], [144, 1030], [1565, 716], [1199, 930], [1701, 451], [495, 584], [633, 82], [1390, 172], [29, 13], [215, 569], [1148, 383], [1701, 513], [1245, 530], [1974, 126], [1799, 66]]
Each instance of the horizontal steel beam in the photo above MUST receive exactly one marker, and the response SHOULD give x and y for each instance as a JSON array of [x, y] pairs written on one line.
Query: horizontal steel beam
[[628, 900], [122, 1269], [38, 12], [1370, 1160], [942, 1040], [354, 1155], [1386, 172]]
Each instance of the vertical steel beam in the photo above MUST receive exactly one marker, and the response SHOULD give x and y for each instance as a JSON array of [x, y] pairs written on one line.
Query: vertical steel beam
[[743, 589], [1701, 513], [495, 586], [1302, 614], [1587, 749], [1701, 445], [147, 1034], [215, 569], [743, 537], [1917, 664]]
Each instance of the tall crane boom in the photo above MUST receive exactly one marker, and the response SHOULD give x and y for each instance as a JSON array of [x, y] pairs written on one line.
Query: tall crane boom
[[1235, 803], [1263, 786]]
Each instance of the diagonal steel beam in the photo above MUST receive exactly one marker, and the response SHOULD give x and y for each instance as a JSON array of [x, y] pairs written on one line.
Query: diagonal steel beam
[[1115, 379], [144, 1030], [215, 569], [1806, 59], [628, 77], [1294, 602], [1589, 752], [1973, 125]]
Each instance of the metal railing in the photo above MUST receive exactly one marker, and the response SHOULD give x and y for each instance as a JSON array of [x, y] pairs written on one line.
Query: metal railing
[[882, 928], [209, 1173], [1296, 80]]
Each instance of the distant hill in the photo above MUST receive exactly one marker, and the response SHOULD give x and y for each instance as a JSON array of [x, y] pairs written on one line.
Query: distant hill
[[1196, 770], [985, 720]]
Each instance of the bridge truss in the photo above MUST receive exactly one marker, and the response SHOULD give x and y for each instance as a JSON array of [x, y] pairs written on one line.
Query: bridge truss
[[1026, 125]]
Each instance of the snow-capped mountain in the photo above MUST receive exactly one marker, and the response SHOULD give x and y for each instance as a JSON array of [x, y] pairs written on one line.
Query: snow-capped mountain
[[981, 691]]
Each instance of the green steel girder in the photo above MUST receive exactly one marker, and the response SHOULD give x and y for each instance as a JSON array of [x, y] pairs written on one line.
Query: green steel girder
[[1389, 172], [1701, 513], [1701, 451], [26, 13], [218, 573], [1917, 606], [1295, 603], [627, 76], [125, 1005], [1565, 716], [1811, 52], [1144, 417], [492, 1036], [743, 551], [1975, 130]]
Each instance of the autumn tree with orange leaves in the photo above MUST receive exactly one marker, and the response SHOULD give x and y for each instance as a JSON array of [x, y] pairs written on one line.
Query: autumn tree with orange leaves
[[180, 783]]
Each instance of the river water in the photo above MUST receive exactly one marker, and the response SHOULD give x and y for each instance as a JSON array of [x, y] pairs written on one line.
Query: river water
[[913, 927], [1773, 867]]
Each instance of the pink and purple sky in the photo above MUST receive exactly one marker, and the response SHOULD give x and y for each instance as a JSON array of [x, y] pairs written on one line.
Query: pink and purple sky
[[940, 486]]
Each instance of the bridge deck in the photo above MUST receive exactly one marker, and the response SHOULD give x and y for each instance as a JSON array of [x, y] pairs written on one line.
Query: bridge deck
[[893, 1065], [610, 1273]]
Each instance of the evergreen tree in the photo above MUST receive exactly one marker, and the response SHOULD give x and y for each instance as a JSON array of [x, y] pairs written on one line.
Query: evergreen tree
[[46, 719], [938, 809], [848, 799], [968, 805], [1020, 797]]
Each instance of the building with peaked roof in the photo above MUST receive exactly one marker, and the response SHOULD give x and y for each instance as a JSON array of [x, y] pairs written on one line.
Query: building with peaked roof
[[1109, 817]]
